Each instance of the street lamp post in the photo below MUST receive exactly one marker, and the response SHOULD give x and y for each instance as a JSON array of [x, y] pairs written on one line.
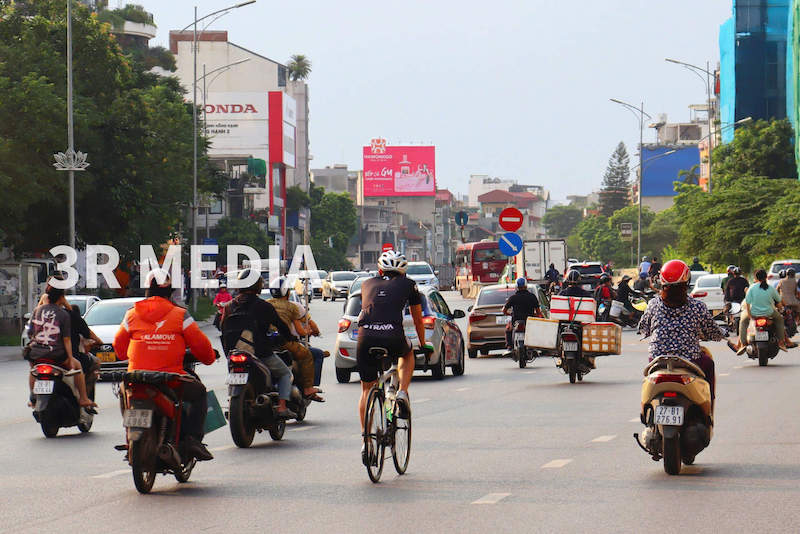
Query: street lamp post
[[640, 114], [194, 119]]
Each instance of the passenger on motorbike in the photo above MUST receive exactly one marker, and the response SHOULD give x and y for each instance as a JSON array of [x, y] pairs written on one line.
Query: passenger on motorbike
[[789, 292], [520, 306], [762, 300], [604, 291], [290, 314], [644, 267], [642, 283], [655, 269], [696, 265], [263, 316], [154, 336], [678, 322], [624, 293], [573, 286]]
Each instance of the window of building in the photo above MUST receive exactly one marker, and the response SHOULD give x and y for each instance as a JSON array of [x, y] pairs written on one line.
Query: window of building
[[749, 16], [216, 207]]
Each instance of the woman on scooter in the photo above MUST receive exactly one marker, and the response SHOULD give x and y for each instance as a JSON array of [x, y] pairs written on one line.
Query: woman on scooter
[[762, 300], [677, 322]]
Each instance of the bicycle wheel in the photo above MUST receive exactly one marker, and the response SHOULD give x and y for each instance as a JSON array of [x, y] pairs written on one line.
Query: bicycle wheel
[[401, 442], [374, 434]]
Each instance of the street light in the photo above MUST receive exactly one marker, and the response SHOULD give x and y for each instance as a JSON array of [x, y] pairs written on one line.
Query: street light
[[640, 114], [194, 118]]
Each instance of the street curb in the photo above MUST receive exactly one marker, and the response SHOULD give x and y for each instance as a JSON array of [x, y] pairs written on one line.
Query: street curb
[[10, 354]]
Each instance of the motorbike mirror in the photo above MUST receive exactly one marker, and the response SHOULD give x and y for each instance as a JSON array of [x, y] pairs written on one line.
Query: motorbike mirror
[[469, 309], [27, 315]]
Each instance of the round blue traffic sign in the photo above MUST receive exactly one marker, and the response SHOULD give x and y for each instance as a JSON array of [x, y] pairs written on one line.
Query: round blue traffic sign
[[510, 244], [462, 218]]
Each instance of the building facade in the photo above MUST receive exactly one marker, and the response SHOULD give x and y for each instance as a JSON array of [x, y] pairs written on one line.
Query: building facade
[[482, 183]]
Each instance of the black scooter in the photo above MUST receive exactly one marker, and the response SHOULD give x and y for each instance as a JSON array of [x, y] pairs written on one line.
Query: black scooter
[[55, 398]]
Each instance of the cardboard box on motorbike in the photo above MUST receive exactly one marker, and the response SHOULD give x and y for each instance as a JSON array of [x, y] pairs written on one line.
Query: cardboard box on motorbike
[[598, 338]]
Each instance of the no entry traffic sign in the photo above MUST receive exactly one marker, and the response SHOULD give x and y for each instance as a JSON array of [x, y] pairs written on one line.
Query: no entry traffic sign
[[387, 247], [510, 219]]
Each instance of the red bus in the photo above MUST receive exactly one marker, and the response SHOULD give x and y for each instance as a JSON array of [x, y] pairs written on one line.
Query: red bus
[[480, 262]]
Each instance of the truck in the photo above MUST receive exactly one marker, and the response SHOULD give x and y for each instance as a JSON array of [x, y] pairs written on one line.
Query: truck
[[534, 260], [22, 283]]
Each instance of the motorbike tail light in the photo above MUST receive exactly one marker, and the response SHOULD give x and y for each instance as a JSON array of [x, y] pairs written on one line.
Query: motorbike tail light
[[700, 294], [569, 337], [677, 379], [520, 326], [238, 358], [429, 322], [475, 317], [344, 324], [670, 394], [344, 352], [761, 321], [44, 369]]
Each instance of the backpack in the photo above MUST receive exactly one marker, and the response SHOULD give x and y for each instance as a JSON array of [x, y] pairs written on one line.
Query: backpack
[[239, 328]]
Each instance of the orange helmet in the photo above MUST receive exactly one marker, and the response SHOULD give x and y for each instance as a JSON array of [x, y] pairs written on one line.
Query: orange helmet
[[675, 272]]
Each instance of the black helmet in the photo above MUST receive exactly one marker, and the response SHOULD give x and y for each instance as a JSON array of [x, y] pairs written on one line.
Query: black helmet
[[790, 271], [573, 277], [625, 278], [254, 288], [696, 260], [782, 273], [604, 278]]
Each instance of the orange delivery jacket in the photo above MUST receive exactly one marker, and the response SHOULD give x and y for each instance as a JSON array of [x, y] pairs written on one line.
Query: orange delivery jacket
[[154, 335]]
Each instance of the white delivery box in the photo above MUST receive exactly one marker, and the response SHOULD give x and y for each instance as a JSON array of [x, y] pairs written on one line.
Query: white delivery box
[[581, 309], [541, 333]]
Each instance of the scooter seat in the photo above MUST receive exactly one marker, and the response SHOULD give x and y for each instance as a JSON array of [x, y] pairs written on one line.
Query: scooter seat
[[671, 363]]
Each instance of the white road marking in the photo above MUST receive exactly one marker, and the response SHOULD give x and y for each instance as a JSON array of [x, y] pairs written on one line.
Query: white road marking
[[113, 473], [528, 372], [223, 448], [603, 439], [463, 389], [724, 374], [493, 380], [491, 498], [299, 428], [635, 420], [419, 401], [555, 464], [739, 367]]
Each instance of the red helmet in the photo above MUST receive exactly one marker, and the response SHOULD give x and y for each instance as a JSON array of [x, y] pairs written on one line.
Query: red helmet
[[675, 272]]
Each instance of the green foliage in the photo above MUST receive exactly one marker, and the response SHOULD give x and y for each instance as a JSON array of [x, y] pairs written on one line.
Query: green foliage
[[614, 193], [299, 67], [334, 219], [662, 234], [136, 128], [236, 231], [560, 220], [691, 177], [296, 198], [630, 214], [763, 148], [131, 13], [598, 242]]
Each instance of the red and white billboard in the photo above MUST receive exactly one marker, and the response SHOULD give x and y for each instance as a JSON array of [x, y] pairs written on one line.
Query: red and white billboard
[[399, 171]]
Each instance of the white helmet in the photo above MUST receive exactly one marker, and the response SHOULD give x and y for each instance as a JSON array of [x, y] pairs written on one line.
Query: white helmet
[[390, 261], [279, 288]]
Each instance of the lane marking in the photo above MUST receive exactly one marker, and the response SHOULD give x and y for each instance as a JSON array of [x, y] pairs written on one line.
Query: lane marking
[[603, 439], [739, 367], [528, 372], [556, 464], [223, 448], [113, 473], [463, 389], [493, 380], [724, 374], [419, 401], [491, 498], [635, 420], [299, 428]]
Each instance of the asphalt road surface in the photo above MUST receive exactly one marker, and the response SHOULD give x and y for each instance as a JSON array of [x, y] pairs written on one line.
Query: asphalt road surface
[[500, 449]]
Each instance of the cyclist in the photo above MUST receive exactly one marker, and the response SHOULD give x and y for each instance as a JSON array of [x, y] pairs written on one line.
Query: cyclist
[[383, 299]]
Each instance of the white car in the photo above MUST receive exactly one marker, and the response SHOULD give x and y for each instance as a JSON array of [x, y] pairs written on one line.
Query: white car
[[708, 290], [694, 276], [422, 273], [314, 282], [778, 266], [104, 319]]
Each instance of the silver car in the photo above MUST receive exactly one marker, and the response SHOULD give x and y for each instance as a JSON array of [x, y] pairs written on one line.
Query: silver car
[[441, 331], [423, 274]]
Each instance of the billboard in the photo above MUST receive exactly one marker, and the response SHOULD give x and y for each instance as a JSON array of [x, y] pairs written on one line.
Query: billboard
[[237, 123], [395, 171], [661, 169], [282, 125]]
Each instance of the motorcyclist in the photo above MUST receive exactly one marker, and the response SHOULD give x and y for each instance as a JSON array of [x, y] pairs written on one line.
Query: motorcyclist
[[655, 269], [696, 265], [520, 306], [290, 314], [552, 276], [644, 267], [642, 283], [736, 288], [573, 286], [678, 322], [263, 316], [762, 300], [154, 336], [789, 292], [728, 276], [604, 291], [624, 293]]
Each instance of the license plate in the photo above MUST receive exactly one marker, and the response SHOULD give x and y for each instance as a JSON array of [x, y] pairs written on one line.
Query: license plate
[[762, 336], [137, 418], [503, 319], [519, 337], [236, 379], [43, 387], [106, 356], [570, 346], [669, 415]]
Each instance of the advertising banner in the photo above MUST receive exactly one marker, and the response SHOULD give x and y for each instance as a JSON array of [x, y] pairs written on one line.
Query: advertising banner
[[237, 123], [392, 171]]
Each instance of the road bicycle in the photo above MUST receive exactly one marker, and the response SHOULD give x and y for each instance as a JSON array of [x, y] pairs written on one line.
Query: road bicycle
[[386, 423]]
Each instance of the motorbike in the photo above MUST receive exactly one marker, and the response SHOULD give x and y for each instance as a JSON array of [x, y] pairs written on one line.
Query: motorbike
[[762, 345], [253, 398], [519, 352], [676, 411], [730, 316], [789, 321], [570, 358], [604, 310], [55, 398]]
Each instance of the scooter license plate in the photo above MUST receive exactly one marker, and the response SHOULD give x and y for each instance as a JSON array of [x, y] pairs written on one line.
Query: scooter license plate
[[669, 415], [236, 379], [137, 418], [519, 337], [570, 346], [762, 336], [503, 319], [43, 387]]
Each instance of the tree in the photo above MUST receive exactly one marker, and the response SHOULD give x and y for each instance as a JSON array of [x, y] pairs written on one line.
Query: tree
[[614, 193], [296, 198], [299, 67], [763, 148], [598, 242], [560, 220], [235, 231], [691, 177], [333, 222]]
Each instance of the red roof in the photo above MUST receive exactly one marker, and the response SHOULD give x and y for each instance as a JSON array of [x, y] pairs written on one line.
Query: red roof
[[499, 196]]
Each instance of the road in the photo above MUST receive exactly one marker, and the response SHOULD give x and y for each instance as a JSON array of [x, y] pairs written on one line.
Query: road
[[500, 449]]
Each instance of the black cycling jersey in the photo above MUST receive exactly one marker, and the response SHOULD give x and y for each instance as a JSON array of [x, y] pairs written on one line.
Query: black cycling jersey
[[382, 302], [575, 291], [523, 304]]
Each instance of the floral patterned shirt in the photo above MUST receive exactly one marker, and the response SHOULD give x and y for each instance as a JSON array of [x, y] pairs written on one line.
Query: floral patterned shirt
[[678, 331]]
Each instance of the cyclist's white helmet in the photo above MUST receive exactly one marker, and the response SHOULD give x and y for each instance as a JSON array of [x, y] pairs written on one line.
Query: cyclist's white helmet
[[279, 287], [392, 262]]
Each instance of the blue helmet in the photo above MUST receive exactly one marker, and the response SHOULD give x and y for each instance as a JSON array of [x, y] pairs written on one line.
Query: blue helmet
[[521, 282]]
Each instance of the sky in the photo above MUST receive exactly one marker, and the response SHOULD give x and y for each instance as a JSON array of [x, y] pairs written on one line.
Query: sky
[[510, 88]]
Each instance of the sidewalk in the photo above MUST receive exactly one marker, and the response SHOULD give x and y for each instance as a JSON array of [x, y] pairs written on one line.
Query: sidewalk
[[8, 354]]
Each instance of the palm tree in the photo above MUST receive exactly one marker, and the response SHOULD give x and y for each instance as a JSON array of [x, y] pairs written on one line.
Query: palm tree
[[299, 67], [691, 176]]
